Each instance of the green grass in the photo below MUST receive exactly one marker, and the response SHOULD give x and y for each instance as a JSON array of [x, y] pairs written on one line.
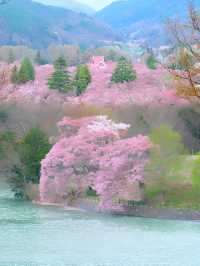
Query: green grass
[[180, 198], [152, 192]]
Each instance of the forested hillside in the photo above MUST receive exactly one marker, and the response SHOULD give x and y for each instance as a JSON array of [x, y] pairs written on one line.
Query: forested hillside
[[24, 22], [143, 20]]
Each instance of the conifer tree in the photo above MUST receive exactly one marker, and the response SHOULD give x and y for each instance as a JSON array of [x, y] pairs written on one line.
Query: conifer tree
[[124, 72], [60, 79], [14, 75], [151, 62], [60, 64], [82, 79], [26, 72]]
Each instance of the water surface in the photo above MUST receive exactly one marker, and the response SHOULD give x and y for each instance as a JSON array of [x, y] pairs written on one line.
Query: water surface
[[31, 235]]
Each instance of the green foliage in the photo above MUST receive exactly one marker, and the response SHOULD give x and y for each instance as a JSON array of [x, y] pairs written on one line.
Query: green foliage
[[60, 80], [91, 193], [124, 72], [166, 158], [7, 136], [174, 66], [82, 79], [196, 172], [181, 197], [17, 182], [3, 116], [32, 149], [60, 64], [151, 62], [7, 139], [26, 72], [152, 191], [14, 78], [169, 140]]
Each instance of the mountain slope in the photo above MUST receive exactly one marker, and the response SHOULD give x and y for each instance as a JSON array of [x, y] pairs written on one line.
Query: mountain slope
[[69, 4], [142, 19], [29, 23]]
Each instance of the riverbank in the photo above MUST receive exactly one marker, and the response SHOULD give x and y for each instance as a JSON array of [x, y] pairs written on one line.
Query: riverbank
[[90, 205], [34, 235], [161, 213], [136, 211]]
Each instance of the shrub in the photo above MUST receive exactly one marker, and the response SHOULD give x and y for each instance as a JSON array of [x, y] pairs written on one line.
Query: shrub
[[166, 158]]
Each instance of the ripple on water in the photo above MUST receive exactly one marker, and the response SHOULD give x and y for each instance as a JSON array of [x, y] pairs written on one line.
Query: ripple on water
[[33, 235]]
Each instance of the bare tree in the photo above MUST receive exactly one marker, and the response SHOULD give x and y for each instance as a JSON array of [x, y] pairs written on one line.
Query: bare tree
[[186, 37], [4, 75]]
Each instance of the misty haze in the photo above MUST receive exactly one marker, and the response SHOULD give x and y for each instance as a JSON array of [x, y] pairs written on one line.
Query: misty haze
[[99, 132]]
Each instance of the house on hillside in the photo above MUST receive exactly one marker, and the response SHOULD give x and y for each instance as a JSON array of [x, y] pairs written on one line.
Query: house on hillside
[[98, 62]]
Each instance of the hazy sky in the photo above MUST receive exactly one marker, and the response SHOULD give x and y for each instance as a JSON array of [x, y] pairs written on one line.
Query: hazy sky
[[97, 3]]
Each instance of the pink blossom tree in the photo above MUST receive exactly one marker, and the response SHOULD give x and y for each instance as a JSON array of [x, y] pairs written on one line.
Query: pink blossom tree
[[90, 152]]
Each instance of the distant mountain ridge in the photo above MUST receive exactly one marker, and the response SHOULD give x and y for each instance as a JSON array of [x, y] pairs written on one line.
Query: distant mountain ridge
[[69, 4], [143, 19], [24, 22]]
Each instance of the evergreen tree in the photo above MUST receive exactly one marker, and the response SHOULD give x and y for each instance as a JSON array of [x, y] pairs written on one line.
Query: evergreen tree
[[32, 149], [82, 79], [60, 64], [60, 79], [26, 72], [151, 62], [14, 75], [124, 72]]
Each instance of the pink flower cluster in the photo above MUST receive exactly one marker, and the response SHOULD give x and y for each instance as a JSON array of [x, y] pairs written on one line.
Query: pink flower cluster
[[150, 87], [91, 153]]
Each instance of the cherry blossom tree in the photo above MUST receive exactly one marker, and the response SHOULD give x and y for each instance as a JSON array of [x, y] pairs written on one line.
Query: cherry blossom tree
[[91, 153]]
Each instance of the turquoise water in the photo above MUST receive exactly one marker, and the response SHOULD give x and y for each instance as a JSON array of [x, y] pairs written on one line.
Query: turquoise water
[[46, 236]]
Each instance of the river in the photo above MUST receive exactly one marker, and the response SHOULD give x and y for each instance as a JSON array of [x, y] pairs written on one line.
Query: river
[[32, 235]]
